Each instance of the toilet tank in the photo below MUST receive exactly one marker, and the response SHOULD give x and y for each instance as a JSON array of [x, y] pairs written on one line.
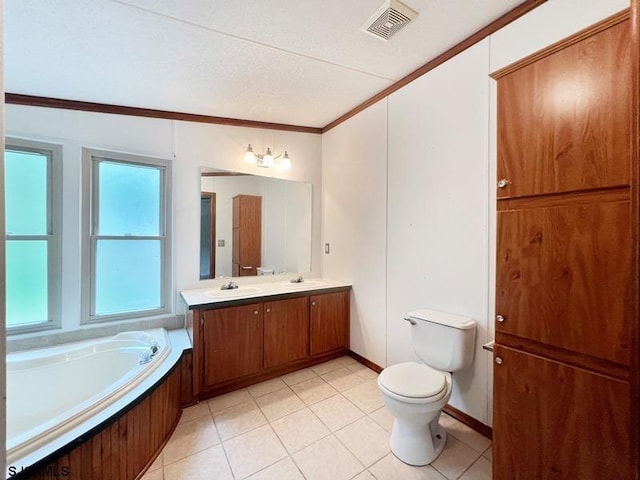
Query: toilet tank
[[442, 340]]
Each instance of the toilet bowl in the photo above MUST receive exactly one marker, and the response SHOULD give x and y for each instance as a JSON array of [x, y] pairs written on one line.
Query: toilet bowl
[[417, 437]]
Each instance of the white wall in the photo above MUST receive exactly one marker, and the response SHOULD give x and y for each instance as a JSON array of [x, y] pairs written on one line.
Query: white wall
[[437, 207], [354, 167], [438, 217], [189, 146]]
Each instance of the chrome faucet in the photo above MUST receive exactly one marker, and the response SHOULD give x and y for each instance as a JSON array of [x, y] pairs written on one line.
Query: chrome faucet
[[229, 286], [297, 279]]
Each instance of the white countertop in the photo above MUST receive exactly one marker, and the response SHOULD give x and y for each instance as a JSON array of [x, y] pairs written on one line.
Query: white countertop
[[212, 293]]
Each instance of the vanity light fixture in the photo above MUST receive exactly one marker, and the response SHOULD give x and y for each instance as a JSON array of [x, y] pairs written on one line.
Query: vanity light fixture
[[267, 159]]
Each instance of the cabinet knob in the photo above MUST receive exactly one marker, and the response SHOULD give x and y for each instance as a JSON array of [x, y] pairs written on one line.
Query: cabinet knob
[[503, 182], [268, 310], [499, 318], [255, 312], [499, 360], [313, 304]]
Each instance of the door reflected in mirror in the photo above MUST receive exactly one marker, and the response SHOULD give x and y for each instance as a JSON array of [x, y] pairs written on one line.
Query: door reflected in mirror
[[268, 231]]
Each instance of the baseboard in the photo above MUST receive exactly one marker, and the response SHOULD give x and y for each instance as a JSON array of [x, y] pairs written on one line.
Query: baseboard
[[459, 415], [367, 363], [469, 421]]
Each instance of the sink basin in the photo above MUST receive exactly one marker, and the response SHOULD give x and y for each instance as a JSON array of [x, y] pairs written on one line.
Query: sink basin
[[234, 293], [305, 284]]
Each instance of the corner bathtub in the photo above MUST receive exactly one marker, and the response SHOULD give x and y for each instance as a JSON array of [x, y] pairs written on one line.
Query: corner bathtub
[[51, 391]]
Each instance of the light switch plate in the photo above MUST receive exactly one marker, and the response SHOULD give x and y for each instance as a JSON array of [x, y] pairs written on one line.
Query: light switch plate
[[221, 243]]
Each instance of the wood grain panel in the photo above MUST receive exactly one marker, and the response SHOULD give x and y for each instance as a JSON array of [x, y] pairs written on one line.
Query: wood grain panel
[[186, 380], [563, 121], [246, 235], [232, 343], [553, 421], [329, 314], [634, 333], [126, 446], [595, 364], [286, 331], [563, 277]]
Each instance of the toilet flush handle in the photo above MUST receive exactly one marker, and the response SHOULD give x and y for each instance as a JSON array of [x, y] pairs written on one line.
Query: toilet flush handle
[[411, 321]]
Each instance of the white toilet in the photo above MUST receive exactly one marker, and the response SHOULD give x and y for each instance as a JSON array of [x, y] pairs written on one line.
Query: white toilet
[[416, 393]]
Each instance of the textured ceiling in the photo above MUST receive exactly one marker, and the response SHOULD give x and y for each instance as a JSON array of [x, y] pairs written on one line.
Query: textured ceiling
[[301, 62]]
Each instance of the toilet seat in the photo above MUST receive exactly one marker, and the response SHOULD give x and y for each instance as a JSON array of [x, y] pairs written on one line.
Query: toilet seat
[[414, 381]]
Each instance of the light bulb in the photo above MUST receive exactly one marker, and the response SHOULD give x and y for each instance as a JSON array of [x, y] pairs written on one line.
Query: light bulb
[[249, 155], [285, 163], [267, 160]]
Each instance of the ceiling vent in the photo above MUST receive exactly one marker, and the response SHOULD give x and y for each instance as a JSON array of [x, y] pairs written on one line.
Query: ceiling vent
[[389, 19]]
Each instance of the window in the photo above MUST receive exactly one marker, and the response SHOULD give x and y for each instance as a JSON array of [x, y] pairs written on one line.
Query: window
[[33, 194], [127, 248]]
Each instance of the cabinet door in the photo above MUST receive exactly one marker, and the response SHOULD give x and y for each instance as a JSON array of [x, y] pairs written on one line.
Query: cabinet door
[[563, 277], [563, 121], [554, 421], [232, 343], [286, 331], [329, 315]]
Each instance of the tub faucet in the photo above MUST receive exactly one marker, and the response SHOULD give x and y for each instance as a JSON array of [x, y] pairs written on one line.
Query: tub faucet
[[229, 286], [147, 355], [298, 279]]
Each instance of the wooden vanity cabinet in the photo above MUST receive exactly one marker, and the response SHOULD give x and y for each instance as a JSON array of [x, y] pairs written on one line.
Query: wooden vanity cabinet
[[564, 313], [232, 343], [286, 331], [254, 340], [329, 331]]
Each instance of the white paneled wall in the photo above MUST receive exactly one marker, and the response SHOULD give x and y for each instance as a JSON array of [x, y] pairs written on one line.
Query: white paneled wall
[[354, 165], [437, 207], [430, 242]]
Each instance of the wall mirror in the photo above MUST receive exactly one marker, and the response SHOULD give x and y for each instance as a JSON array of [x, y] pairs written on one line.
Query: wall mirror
[[253, 225]]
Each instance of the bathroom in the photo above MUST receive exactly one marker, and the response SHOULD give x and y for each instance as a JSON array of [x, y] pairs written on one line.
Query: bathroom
[[403, 195]]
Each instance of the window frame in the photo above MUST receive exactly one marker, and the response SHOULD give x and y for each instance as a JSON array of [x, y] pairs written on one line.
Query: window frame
[[90, 207], [53, 153]]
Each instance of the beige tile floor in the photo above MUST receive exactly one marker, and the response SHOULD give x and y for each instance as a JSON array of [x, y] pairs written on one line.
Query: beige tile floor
[[327, 422]]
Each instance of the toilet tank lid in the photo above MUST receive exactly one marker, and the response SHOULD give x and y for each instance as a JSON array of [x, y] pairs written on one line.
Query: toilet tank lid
[[447, 319]]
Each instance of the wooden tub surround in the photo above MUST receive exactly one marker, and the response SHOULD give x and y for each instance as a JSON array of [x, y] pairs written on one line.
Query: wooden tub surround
[[124, 446]]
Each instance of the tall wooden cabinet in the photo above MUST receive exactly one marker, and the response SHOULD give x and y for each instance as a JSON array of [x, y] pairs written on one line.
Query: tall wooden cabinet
[[564, 317], [246, 249]]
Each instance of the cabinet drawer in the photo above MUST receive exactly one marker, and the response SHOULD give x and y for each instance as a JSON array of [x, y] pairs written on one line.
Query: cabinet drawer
[[563, 121], [563, 277], [554, 421]]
